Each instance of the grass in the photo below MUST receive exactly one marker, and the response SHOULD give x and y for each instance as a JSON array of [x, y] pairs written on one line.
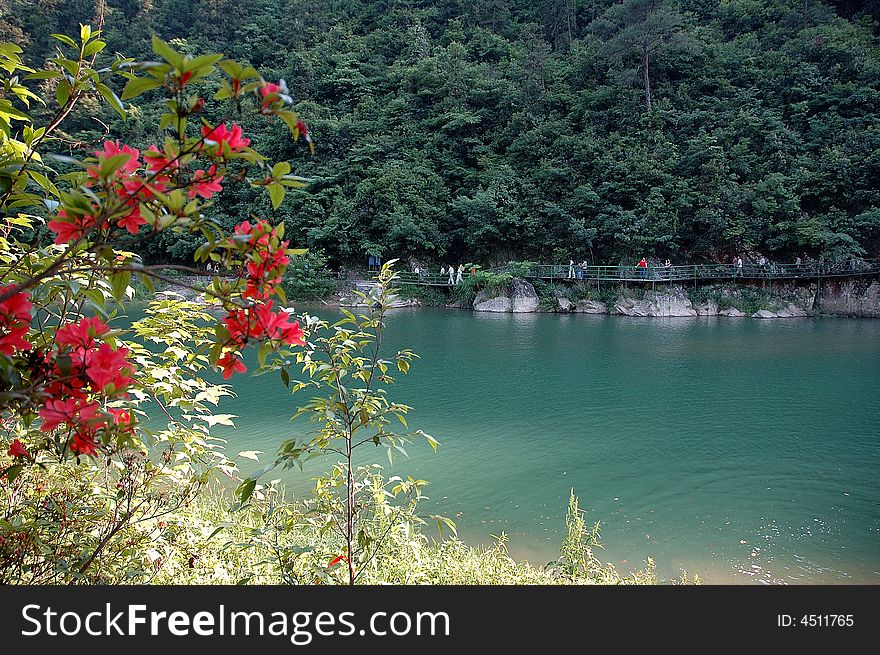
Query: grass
[[212, 546]]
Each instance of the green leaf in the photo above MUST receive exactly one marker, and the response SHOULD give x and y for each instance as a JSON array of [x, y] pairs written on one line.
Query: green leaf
[[245, 490], [65, 39], [62, 92], [44, 75], [109, 165], [280, 169], [138, 86], [119, 284], [12, 472], [167, 52], [112, 99], [93, 48], [276, 193], [204, 61]]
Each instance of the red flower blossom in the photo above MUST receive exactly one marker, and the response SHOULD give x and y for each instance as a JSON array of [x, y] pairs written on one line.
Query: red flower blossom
[[229, 364], [205, 184], [105, 366], [158, 160], [185, 78], [112, 148], [68, 229], [15, 321], [304, 130], [220, 134], [121, 417], [132, 221], [270, 93], [84, 443], [70, 411], [276, 326], [81, 335], [17, 449]]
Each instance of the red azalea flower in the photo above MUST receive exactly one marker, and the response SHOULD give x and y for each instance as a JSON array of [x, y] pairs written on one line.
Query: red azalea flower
[[15, 321], [276, 326], [84, 443], [270, 93], [220, 134], [133, 220], [81, 335], [230, 364], [158, 160], [304, 130], [121, 417], [69, 411], [112, 148], [17, 449], [107, 366], [205, 184], [68, 229]]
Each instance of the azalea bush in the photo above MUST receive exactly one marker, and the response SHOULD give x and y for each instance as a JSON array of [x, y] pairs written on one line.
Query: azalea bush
[[80, 464]]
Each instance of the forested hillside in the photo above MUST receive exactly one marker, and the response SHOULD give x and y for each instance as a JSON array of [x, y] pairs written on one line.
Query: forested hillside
[[491, 130]]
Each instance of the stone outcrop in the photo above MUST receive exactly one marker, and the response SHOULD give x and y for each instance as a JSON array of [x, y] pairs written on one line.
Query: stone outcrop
[[672, 303], [709, 308], [483, 303], [732, 312], [791, 311], [850, 298], [563, 304], [590, 307], [523, 297], [764, 313]]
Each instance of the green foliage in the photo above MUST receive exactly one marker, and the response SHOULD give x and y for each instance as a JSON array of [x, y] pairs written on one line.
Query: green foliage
[[307, 277], [428, 296], [460, 131], [494, 284], [609, 295], [750, 300]]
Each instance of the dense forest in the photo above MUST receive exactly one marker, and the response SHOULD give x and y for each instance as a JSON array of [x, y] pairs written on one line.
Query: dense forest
[[489, 130]]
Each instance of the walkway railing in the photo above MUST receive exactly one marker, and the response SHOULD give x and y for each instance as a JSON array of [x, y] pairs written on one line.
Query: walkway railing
[[689, 273]]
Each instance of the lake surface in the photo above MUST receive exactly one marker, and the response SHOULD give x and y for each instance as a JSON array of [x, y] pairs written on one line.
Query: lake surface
[[741, 450]]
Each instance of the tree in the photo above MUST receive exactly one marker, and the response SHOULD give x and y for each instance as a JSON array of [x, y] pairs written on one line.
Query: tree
[[644, 29]]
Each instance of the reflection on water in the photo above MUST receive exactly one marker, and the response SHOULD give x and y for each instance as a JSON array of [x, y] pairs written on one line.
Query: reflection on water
[[741, 450]]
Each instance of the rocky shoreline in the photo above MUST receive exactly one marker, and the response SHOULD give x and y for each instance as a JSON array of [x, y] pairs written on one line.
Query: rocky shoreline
[[855, 298], [846, 298]]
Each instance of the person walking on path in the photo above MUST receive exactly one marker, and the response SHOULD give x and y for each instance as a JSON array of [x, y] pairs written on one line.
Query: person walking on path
[[458, 279], [570, 269], [451, 274], [643, 268]]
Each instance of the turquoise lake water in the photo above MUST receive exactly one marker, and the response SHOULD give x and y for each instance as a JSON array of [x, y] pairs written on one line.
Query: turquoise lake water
[[741, 450]]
